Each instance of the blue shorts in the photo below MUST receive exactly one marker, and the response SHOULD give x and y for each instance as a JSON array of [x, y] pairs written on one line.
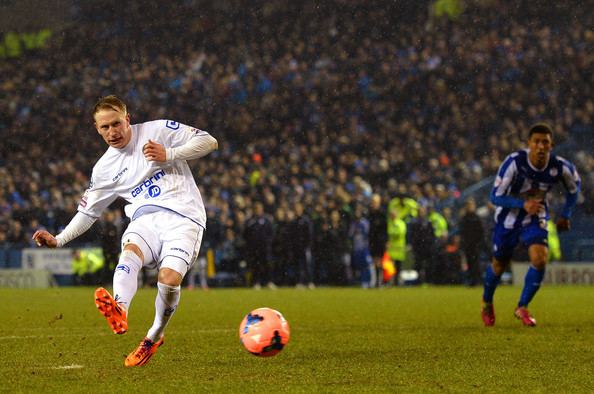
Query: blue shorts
[[361, 259], [505, 240]]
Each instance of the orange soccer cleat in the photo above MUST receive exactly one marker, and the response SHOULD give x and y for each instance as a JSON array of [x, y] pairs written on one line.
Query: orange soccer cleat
[[143, 353], [522, 313], [116, 314]]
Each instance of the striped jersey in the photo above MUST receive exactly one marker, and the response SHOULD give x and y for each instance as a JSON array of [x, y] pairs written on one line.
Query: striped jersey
[[518, 181]]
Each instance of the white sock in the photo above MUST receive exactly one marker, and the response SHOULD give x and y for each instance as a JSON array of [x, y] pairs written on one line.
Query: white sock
[[165, 304], [125, 278]]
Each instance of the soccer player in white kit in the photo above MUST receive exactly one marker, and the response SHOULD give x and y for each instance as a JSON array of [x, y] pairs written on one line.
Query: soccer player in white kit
[[146, 165]]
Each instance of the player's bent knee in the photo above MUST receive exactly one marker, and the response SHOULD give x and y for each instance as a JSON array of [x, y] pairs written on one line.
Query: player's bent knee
[[134, 249], [539, 254], [134, 242], [169, 277], [499, 266], [539, 263]]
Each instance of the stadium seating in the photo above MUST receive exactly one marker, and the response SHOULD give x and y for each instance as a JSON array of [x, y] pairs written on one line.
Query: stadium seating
[[318, 103]]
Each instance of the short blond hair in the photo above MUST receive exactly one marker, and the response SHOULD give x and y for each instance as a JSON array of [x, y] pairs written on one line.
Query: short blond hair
[[110, 102]]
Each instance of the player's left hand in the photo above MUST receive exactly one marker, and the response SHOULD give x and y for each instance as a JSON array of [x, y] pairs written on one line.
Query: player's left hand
[[563, 224], [153, 151], [44, 238]]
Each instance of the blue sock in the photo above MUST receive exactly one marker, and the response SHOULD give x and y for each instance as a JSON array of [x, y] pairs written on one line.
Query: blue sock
[[531, 285], [491, 282]]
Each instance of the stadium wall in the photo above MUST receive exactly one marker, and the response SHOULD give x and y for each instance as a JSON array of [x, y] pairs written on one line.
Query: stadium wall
[[32, 267], [558, 273]]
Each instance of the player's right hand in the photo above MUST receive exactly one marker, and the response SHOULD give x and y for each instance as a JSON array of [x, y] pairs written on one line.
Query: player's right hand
[[153, 151], [43, 238], [533, 207]]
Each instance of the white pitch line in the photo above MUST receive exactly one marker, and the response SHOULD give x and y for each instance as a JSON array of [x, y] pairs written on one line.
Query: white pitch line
[[72, 366], [45, 336], [86, 333]]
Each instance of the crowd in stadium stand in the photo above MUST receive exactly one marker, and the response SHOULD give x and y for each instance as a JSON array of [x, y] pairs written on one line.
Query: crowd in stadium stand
[[316, 106]]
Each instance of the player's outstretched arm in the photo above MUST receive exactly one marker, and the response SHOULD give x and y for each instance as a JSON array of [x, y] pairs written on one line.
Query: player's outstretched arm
[[44, 238], [195, 148], [79, 224], [200, 145]]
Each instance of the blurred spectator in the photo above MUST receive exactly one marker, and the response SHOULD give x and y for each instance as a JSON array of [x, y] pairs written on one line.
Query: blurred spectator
[[258, 236], [4, 245], [361, 260], [472, 242], [87, 265], [406, 207], [378, 235], [16, 235], [397, 241], [336, 249], [553, 239], [439, 260], [211, 241], [301, 238], [423, 244], [450, 272], [281, 248], [229, 256], [439, 223], [110, 244]]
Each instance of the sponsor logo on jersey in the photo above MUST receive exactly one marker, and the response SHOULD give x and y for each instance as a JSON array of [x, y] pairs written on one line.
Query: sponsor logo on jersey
[[154, 191], [123, 267], [83, 199], [181, 250], [147, 183], [119, 175], [172, 124]]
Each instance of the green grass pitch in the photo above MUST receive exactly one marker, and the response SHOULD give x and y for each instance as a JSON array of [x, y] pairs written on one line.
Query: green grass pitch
[[422, 339]]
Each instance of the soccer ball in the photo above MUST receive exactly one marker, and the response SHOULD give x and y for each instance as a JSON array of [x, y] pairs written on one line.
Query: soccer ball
[[264, 332]]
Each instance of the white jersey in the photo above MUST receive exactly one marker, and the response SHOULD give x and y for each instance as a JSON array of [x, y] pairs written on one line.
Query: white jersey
[[147, 185]]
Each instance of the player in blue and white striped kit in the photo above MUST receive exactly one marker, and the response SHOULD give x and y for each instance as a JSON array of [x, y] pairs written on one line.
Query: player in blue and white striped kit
[[520, 194]]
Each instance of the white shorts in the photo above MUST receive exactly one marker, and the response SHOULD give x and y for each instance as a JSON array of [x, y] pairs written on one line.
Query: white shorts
[[166, 239]]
